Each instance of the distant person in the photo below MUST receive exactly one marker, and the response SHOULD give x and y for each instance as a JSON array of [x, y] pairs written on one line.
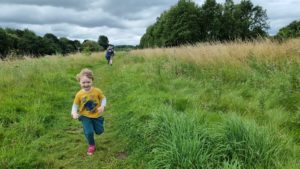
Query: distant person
[[109, 54], [88, 107]]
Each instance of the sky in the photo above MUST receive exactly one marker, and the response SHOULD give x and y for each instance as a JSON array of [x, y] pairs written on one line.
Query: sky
[[122, 21]]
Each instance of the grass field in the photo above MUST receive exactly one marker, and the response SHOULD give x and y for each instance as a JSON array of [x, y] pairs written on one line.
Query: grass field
[[233, 105]]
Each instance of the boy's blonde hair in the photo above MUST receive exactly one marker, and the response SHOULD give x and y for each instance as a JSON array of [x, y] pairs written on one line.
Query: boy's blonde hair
[[85, 72]]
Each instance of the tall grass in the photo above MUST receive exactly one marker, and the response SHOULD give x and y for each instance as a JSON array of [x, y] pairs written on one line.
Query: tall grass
[[184, 142], [187, 141], [230, 52], [253, 146], [255, 80]]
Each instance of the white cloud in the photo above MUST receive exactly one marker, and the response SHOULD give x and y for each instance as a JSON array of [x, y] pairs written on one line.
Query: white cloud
[[73, 4]]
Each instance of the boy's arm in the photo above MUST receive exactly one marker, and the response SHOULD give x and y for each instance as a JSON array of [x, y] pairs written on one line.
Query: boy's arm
[[103, 104], [74, 111]]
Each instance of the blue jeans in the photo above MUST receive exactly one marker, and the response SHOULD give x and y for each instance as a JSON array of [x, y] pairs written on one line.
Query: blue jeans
[[91, 126]]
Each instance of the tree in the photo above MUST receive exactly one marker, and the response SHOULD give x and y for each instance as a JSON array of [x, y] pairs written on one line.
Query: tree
[[52, 43], [25, 42], [177, 26], [90, 46], [227, 31], [187, 23], [28, 42], [182, 25], [4, 44], [211, 13], [147, 39], [13, 41], [292, 30], [77, 45], [251, 21], [103, 41], [67, 45]]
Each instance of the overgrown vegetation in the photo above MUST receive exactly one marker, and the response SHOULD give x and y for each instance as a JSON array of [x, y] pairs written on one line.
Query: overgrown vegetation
[[212, 108]]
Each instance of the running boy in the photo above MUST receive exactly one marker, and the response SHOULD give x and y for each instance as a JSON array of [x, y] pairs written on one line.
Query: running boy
[[90, 103]]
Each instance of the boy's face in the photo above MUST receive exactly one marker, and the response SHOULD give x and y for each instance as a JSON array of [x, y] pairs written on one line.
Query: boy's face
[[85, 83]]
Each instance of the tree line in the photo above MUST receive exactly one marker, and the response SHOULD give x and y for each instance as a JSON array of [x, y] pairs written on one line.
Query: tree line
[[292, 30], [25, 42], [186, 22]]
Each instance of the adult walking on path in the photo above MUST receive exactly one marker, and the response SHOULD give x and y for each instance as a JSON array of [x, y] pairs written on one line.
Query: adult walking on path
[[109, 54]]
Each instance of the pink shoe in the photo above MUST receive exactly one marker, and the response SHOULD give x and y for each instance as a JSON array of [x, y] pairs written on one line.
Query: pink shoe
[[91, 150]]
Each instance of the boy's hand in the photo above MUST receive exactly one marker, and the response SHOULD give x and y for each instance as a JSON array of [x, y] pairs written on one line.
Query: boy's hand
[[101, 109], [75, 115]]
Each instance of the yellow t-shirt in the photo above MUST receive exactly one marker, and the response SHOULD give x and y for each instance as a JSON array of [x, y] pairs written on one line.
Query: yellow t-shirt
[[89, 102]]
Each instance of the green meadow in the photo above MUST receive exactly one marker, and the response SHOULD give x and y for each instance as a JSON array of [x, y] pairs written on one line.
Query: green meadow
[[164, 110]]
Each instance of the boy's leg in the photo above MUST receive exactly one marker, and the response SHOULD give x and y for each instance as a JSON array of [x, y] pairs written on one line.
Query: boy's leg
[[88, 129], [98, 125]]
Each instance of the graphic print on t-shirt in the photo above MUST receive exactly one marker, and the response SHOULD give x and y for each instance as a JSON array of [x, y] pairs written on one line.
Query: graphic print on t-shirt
[[89, 105]]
